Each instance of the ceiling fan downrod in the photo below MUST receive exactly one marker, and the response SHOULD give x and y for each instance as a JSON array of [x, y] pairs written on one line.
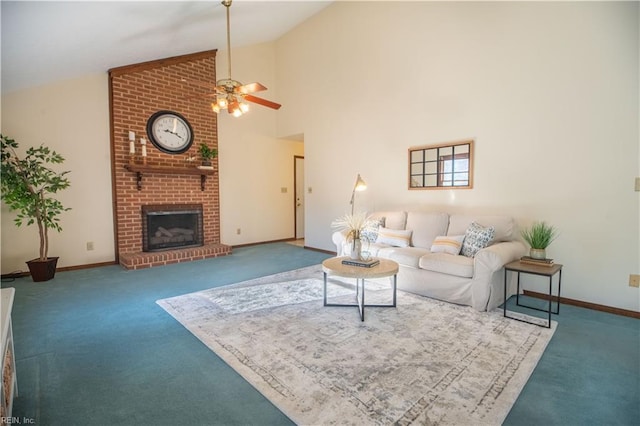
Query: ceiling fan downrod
[[227, 4]]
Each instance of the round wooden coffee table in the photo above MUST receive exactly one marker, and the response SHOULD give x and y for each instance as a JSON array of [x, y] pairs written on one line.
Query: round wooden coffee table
[[385, 268]]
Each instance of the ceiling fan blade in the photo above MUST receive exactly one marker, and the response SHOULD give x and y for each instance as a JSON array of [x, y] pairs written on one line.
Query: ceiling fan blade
[[262, 102], [250, 88]]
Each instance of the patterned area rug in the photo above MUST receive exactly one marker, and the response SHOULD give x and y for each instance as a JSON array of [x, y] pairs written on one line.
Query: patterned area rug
[[424, 362]]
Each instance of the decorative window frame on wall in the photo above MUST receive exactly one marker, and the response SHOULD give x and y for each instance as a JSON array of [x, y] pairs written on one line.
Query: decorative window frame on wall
[[447, 165]]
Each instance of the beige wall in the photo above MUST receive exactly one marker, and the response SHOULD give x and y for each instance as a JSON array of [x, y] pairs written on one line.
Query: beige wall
[[71, 117], [549, 91], [254, 164]]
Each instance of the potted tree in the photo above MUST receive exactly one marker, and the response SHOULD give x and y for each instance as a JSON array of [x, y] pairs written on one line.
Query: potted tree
[[207, 155], [539, 236], [27, 184]]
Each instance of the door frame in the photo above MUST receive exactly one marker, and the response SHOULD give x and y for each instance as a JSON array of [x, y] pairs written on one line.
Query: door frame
[[295, 194]]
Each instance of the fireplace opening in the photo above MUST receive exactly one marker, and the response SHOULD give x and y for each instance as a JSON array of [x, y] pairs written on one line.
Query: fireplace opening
[[166, 227]]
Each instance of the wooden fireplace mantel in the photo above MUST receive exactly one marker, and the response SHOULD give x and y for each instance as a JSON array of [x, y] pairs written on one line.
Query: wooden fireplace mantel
[[141, 169]]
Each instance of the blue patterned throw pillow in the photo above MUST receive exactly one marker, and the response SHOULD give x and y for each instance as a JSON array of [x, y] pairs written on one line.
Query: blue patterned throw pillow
[[370, 231], [476, 238]]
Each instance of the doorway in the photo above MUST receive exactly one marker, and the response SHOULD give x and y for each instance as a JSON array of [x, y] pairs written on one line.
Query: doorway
[[298, 183]]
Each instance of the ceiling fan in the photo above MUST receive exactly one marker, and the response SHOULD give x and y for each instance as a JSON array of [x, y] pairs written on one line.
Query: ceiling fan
[[230, 94]]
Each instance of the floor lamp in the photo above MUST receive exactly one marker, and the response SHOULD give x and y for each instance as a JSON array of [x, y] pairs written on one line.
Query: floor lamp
[[359, 186]]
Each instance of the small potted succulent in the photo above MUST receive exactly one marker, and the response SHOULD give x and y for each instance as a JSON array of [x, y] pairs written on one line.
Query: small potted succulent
[[207, 154], [27, 187], [539, 236]]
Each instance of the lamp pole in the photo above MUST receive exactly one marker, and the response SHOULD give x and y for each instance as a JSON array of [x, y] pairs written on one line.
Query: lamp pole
[[360, 185]]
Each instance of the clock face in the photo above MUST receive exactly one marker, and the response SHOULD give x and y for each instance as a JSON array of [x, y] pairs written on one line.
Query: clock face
[[170, 132]]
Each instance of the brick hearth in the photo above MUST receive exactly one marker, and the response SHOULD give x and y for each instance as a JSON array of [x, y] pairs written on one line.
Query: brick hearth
[[136, 92], [143, 260]]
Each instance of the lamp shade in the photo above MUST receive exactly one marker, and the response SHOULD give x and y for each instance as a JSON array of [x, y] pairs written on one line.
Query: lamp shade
[[360, 184]]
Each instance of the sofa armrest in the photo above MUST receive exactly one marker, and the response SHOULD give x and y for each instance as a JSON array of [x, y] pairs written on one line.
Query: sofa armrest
[[487, 282], [339, 238], [493, 258]]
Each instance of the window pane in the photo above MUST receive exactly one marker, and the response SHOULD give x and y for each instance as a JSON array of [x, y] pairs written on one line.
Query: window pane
[[462, 165], [446, 152], [461, 179], [416, 156], [461, 149]]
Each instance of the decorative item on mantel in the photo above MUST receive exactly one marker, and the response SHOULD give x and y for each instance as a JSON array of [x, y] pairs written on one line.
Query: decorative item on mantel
[[143, 142], [539, 236], [132, 147], [207, 154]]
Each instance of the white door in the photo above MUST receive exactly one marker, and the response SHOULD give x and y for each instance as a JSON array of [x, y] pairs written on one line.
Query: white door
[[299, 201]]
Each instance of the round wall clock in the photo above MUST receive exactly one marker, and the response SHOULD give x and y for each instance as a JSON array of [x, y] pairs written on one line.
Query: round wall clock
[[170, 132]]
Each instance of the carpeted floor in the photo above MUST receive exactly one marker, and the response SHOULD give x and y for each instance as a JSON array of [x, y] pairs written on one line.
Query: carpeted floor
[[93, 348]]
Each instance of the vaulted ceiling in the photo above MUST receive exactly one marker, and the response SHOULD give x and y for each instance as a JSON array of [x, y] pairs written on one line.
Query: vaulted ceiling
[[45, 41]]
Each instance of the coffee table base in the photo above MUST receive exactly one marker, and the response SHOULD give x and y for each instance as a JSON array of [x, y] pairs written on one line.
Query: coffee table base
[[360, 303]]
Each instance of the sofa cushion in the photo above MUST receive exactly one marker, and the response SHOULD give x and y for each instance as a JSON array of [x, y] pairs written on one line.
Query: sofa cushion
[[460, 266], [504, 226], [372, 249], [394, 237], [476, 238], [392, 220], [408, 256], [426, 227], [447, 244]]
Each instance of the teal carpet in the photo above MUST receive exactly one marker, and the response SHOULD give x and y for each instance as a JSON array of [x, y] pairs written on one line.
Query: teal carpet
[[93, 348]]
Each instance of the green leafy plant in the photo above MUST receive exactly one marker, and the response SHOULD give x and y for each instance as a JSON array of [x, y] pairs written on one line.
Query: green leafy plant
[[539, 235], [27, 184], [206, 153]]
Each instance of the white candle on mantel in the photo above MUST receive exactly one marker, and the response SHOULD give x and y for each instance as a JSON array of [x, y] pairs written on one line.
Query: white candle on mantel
[[144, 147], [132, 142]]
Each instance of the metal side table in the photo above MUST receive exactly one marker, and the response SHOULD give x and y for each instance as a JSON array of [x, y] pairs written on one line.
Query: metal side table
[[542, 270]]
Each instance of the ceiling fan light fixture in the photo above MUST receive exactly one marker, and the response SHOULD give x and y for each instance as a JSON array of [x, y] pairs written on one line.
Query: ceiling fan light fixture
[[244, 107], [215, 107], [234, 108]]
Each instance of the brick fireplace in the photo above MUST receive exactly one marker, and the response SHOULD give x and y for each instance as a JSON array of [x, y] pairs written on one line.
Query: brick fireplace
[[163, 182]]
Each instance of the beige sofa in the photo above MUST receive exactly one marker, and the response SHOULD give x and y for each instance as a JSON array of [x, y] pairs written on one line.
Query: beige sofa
[[476, 281]]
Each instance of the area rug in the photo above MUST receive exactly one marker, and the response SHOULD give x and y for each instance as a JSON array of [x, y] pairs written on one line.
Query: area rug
[[424, 362]]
